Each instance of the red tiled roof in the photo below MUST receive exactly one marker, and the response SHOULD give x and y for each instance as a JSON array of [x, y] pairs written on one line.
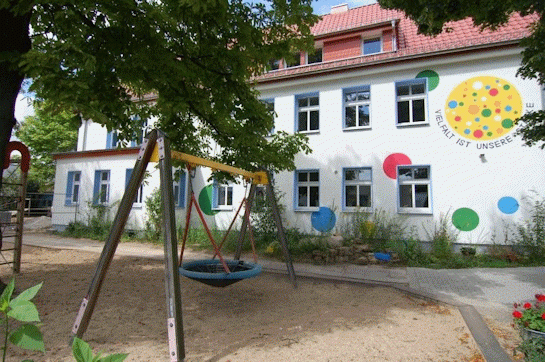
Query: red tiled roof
[[463, 34]]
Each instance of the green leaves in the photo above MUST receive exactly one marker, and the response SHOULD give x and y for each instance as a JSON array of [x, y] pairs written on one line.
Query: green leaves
[[28, 336], [82, 353], [20, 308]]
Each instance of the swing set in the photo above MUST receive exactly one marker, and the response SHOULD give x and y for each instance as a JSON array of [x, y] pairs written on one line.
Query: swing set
[[218, 272]]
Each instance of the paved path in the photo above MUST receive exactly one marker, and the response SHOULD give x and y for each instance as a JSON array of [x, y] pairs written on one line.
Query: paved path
[[475, 292]]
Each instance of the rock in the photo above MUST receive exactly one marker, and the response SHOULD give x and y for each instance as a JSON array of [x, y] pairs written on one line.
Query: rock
[[361, 249], [362, 260], [335, 241], [345, 251]]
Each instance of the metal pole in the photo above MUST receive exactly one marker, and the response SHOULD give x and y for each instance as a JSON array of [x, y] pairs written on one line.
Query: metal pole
[[18, 244], [280, 229], [88, 304], [242, 235], [172, 277]]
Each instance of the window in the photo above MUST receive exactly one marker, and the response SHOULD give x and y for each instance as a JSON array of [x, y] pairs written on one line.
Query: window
[[356, 108], [73, 182], [411, 102], [357, 188], [372, 46], [101, 189], [414, 189], [138, 201], [178, 191], [308, 113], [269, 103], [141, 134], [307, 187], [274, 64], [223, 196], [315, 56], [293, 60], [111, 140]]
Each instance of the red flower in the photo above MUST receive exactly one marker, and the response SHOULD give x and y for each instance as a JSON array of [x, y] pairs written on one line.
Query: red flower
[[543, 316], [517, 314], [527, 306], [540, 297]]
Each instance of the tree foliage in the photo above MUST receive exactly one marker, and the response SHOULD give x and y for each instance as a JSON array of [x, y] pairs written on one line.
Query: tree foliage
[[432, 17], [197, 56], [49, 131]]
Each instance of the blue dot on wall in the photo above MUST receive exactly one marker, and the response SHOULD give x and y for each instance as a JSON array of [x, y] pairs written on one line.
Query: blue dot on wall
[[323, 220], [508, 205]]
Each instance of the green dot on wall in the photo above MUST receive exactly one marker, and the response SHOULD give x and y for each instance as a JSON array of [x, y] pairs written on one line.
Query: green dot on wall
[[433, 78], [465, 219], [205, 200]]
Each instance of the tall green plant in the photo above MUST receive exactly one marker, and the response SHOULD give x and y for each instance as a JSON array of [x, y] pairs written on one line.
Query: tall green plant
[[381, 230], [442, 237], [531, 233], [24, 313], [154, 222], [82, 353]]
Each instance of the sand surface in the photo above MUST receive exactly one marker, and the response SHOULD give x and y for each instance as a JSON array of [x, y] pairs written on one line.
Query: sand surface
[[260, 319]]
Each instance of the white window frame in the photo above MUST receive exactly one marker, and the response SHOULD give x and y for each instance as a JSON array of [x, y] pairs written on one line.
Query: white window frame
[[411, 98], [139, 199], [358, 183], [321, 49], [72, 197], [308, 184], [413, 182], [308, 109], [367, 39], [179, 186], [99, 197], [225, 189], [356, 103]]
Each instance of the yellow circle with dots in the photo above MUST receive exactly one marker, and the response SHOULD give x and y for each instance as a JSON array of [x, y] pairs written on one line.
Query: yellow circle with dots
[[483, 108]]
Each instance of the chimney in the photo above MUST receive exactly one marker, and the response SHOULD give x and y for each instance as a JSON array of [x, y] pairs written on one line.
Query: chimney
[[341, 8]]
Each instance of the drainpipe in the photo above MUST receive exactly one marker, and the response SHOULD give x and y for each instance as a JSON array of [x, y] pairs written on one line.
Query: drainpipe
[[394, 36]]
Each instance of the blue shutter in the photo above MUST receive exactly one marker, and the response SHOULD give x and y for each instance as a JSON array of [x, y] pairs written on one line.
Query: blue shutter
[[111, 140], [96, 187], [128, 174], [69, 184], [215, 195], [181, 193]]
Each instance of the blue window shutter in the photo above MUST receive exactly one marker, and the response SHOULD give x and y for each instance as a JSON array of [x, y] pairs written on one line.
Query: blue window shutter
[[96, 187], [181, 193], [215, 195], [109, 136], [128, 174], [69, 184]]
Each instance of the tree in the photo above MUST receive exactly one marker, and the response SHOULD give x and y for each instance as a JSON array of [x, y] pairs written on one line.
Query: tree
[[46, 133], [95, 58], [432, 17]]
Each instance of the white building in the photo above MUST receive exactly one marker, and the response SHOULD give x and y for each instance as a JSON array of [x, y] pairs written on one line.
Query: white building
[[398, 122]]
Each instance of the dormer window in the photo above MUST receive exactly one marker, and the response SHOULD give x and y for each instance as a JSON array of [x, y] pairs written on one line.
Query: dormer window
[[372, 46], [293, 60], [315, 57], [275, 64]]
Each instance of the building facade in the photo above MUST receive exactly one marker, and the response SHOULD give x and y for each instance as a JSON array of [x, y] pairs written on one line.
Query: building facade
[[416, 127]]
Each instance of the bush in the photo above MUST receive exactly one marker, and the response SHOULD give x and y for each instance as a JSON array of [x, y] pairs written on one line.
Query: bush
[[381, 230], [154, 222], [531, 234], [442, 237]]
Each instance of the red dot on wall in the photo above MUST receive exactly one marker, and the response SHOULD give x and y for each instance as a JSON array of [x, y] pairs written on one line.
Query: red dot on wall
[[392, 161]]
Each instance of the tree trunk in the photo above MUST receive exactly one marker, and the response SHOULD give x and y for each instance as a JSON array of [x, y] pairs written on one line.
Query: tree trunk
[[14, 42]]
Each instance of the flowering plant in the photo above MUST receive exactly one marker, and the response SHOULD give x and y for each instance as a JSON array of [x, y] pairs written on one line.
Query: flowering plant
[[531, 316]]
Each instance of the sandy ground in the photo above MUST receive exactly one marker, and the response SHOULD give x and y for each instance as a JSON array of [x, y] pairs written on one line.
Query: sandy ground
[[261, 319]]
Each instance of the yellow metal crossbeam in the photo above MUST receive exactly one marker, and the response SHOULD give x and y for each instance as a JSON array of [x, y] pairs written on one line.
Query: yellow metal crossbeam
[[258, 178]]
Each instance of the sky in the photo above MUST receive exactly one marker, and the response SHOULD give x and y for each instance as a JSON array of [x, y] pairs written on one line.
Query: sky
[[23, 107]]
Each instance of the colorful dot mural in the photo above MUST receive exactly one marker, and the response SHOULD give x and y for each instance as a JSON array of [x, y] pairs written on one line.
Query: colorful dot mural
[[508, 205], [465, 219], [205, 200], [392, 161], [323, 220], [483, 108], [433, 78]]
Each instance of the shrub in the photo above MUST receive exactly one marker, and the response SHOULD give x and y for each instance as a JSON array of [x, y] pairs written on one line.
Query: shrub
[[531, 233], [154, 222], [442, 237]]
